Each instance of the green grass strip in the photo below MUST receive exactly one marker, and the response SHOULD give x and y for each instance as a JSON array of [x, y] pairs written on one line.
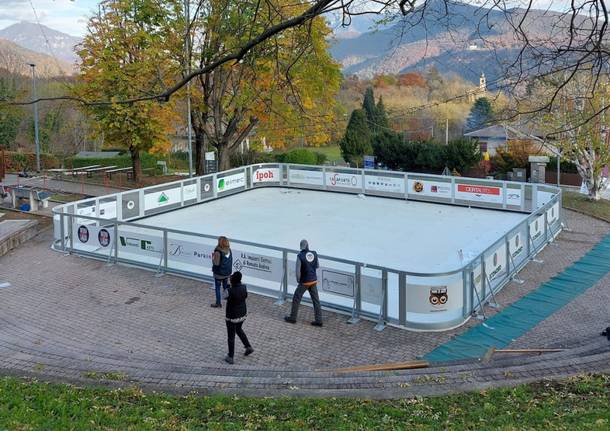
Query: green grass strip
[[517, 319], [578, 403]]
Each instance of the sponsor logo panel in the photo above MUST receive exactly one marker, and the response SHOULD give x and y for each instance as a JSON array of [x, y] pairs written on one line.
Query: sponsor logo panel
[[430, 188], [301, 176], [266, 175], [92, 238], [478, 193], [162, 198], [494, 264], [189, 192], [350, 181], [338, 282], [231, 182], [380, 183], [434, 298]]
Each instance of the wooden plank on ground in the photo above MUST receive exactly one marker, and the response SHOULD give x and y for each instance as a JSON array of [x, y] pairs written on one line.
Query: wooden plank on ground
[[384, 367]]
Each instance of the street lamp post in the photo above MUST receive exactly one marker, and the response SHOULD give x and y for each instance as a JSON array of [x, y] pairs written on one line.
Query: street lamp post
[[37, 142], [188, 84]]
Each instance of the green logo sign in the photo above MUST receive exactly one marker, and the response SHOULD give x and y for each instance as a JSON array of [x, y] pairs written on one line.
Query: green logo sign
[[163, 198], [221, 184]]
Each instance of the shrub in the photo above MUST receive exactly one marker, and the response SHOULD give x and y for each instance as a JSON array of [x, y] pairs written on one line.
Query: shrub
[[565, 166], [300, 156], [514, 154], [17, 161], [461, 154], [251, 157]]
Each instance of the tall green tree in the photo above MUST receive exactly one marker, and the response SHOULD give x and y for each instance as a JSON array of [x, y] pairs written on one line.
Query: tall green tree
[[381, 116], [368, 105], [10, 116], [357, 140], [481, 114], [124, 55]]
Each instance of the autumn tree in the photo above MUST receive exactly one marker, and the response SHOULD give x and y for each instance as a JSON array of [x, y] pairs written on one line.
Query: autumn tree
[[284, 89], [122, 57], [574, 126]]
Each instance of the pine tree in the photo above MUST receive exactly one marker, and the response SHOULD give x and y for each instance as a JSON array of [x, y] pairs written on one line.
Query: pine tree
[[357, 139], [381, 117], [368, 105], [481, 114]]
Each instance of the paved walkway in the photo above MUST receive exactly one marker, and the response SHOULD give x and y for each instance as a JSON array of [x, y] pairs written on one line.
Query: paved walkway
[[72, 318]]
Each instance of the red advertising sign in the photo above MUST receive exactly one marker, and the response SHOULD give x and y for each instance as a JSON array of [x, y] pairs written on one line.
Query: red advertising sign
[[478, 190]]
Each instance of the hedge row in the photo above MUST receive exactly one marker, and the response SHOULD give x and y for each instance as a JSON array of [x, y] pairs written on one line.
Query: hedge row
[[16, 161], [300, 156]]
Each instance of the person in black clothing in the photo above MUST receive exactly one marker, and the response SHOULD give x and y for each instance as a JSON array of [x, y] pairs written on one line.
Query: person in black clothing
[[307, 279], [236, 312], [222, 266]]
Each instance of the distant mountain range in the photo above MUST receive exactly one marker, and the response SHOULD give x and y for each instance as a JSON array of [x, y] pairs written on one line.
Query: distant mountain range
[[16, 59], [52, 51], [462, 39]]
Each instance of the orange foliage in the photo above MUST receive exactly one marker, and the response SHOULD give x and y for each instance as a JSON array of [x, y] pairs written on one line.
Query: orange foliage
[[412, 79]]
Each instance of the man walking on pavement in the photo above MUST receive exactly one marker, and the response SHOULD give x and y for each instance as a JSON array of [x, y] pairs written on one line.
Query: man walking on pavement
[[307, 279]]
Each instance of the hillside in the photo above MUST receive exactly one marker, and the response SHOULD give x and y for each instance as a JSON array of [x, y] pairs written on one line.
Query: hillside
[[466, 40], [35, 37], [15, 59]]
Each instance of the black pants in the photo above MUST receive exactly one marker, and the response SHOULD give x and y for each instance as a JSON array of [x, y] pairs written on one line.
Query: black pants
[[298, 295], [232, 329]]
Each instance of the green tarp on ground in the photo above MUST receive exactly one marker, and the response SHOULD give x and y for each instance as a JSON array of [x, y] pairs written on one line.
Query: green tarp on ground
[[517, 319]]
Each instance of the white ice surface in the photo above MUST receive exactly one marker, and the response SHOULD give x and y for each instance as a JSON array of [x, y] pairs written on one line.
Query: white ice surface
[[399, 234]]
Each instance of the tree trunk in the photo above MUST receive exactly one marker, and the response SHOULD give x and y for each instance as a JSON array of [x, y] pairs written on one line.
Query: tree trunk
[[224, 157], [199, 154], [136, 165]]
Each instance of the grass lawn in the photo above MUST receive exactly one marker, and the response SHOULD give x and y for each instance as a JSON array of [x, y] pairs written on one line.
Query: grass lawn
[[579, 403], [332, 153], [580, 203]]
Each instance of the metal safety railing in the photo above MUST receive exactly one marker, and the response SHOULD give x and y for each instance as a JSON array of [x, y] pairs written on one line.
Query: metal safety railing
[[109, 227]]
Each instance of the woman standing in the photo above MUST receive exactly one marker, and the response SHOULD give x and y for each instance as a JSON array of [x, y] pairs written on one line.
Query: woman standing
[[236, 315], [222, 265]]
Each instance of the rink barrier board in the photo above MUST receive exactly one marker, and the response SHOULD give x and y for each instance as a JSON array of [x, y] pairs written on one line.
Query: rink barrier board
[[393, 296]]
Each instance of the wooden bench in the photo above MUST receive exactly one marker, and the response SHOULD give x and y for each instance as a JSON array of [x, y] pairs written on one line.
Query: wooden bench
[[57, 173], [130, 173], [117, 171], [91, 172], [83, 170]]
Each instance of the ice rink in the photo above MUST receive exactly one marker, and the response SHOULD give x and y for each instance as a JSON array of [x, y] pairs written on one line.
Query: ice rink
[[399, 234]]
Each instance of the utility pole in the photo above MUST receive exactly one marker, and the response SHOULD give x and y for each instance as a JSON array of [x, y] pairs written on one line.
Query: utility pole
[[33, 66], [187, 17], [447, 132]]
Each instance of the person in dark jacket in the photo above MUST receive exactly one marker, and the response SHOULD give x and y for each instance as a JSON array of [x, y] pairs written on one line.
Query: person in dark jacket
[[222, 266], [307, 279], [236, 313]]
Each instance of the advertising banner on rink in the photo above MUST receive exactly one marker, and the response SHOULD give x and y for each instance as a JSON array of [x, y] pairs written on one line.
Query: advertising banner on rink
[[302, 176], [266, 175], [437, 189], [348, 181], [434, 298], [380, 183], [478, 193], [89, 237], [231, 182]]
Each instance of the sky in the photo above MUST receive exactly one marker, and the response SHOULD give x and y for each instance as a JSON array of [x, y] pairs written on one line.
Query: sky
[[70, 16]]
